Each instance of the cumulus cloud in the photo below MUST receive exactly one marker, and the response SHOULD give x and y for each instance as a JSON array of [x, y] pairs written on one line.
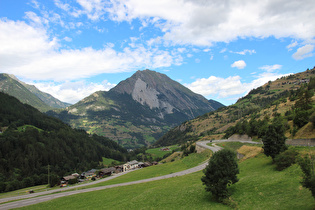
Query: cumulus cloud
[[222, 87], [304, 52], [230, 88], [239, 64], [205, 22], [29, 52], [72, 92], [271, 68]]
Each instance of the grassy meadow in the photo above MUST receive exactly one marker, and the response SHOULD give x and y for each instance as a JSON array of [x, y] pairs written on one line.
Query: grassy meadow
[[190, 161], [260, 186], [157, 152]]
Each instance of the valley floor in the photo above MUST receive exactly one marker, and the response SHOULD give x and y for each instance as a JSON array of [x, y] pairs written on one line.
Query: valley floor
[[260, 187]]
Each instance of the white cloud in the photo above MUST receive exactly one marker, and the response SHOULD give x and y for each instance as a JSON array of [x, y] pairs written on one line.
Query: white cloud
[[239, 64], [72, 92], [244, 52], [292, 45], [303, 52], [271, 68], [94, 9], [206, 22], [223, 50], [216, 86], [63, 6], [30, 53], [229, 88], [68, 39]]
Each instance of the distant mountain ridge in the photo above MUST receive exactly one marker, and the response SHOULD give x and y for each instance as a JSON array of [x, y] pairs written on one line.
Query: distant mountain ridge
[[29, 93], [138, 110]]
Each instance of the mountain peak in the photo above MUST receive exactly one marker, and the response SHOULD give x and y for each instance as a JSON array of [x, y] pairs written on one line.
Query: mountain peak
[[158, 91]]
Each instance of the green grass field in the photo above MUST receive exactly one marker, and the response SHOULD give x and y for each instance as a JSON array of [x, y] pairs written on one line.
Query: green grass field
[[260, 186], [190, 161], [108, 161], [156, 152]]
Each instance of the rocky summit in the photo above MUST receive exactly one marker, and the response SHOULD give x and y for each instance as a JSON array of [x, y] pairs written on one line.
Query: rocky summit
[[138, 110]]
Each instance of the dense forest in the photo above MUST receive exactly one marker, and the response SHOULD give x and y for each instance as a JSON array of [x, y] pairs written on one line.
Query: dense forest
[[33, 143]]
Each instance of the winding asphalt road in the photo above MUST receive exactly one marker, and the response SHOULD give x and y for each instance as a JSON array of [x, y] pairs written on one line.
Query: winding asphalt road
[[39, 197]]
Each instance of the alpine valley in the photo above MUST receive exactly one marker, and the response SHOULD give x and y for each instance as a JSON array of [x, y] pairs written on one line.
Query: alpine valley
[[138, 111]]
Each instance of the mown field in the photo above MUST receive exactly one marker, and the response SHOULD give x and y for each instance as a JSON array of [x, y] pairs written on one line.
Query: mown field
[[157, 152], [260, 186], [159, 170]]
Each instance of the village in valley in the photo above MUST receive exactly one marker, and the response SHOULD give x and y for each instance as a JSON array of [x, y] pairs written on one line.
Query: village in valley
[[95, 174]]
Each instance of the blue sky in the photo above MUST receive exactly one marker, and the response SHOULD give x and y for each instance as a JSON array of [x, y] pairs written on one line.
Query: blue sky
[[220, 49]]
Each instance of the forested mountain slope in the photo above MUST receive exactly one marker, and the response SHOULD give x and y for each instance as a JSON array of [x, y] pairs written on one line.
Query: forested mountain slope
[[32, 141], [291, 98], [29, 93]]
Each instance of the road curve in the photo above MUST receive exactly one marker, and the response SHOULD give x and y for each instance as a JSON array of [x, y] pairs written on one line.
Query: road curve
[[31, 199]]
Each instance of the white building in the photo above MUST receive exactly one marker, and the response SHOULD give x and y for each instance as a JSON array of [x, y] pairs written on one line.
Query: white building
[[130, 165]]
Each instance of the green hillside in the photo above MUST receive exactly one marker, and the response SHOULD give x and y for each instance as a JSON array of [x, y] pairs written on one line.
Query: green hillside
[[282, 98], [29, 94], [14, 88], [260, 186], [33, 143]]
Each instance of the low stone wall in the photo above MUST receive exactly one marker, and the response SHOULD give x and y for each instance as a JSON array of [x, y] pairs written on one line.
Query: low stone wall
[[199, 149], [300, 142], [238, 137]]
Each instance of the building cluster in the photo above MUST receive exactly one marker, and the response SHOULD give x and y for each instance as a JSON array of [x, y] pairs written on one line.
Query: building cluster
[[104, 172]]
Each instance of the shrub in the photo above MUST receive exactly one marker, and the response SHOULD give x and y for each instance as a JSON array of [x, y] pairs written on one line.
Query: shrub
[[73, 181], [285, 159], [307, 166], [274, 139], [220, 173]]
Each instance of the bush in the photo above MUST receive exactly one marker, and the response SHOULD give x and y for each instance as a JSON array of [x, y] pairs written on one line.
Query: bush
[[274, 139], [301, 118], [73, 181], [285, 159], [307, 166], [220, 173]]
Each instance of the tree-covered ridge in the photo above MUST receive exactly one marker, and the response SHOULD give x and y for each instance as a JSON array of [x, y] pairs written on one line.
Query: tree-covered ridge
[[32, 141], [29, 94], [251, 114]]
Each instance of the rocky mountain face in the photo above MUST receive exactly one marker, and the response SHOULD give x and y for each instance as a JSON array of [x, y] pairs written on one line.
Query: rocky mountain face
[[158, 91], [138, 110]]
